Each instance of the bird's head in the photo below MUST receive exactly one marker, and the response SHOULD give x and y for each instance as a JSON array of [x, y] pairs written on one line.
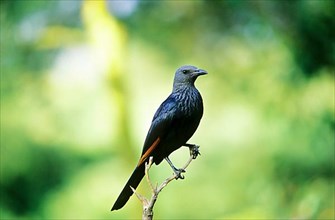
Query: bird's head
[[186, 75]]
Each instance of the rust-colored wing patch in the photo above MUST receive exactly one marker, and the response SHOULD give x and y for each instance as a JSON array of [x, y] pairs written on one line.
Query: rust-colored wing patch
[[148, 152]]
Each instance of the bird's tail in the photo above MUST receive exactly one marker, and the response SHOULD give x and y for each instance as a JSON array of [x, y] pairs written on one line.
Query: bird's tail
[[133, 181]]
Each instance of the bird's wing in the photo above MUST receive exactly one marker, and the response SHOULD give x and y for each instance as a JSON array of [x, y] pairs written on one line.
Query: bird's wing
[[161, 123]]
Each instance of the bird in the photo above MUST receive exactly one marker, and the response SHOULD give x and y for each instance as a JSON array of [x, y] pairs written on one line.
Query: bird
[[173, 124]]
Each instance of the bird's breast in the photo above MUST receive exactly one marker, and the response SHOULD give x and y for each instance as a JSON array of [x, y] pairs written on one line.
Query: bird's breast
[[190, 103]]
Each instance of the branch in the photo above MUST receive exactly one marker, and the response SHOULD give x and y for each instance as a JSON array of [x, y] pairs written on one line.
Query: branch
[[149, 204]]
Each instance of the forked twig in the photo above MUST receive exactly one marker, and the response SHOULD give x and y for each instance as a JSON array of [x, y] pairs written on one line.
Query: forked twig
[[149, 204]]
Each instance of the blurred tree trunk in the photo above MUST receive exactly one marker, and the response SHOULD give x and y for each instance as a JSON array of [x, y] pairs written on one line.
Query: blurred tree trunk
[[108, 39]]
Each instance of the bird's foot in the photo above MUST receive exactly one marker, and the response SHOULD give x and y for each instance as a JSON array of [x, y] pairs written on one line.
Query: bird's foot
[[194, 150], [178, 173]]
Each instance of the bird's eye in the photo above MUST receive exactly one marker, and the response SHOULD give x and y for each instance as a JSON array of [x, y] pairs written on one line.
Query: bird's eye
[[184, 71]]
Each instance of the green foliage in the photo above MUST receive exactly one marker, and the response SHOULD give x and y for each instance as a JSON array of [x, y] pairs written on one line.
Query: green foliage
[[80, 82]]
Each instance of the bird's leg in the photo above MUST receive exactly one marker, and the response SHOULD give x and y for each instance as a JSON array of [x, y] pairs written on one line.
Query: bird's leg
[[194, 150], [175, 170]]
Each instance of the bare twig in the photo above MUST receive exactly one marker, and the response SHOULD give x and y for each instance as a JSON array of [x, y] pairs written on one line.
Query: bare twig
[[149, 204]]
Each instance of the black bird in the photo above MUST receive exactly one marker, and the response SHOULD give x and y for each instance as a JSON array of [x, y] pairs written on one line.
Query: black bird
[[175, 121]]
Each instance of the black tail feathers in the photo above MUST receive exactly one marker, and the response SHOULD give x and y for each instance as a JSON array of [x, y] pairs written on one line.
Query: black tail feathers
[[126, 193]]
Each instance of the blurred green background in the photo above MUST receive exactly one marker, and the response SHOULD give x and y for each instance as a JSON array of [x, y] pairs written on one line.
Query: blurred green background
[[81, 80]]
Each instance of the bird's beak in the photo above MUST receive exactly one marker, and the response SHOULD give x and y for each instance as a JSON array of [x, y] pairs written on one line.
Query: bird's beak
[[200, 72]]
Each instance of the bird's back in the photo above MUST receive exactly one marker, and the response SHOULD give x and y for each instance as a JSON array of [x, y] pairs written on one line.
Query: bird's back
[[175, 122]]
